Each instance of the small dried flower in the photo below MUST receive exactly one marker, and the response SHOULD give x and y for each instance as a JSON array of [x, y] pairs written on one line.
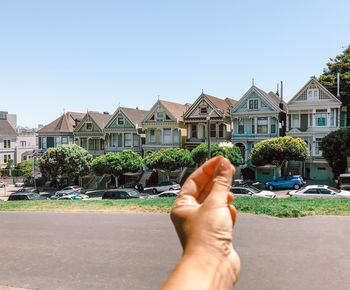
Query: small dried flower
[[225, 145]]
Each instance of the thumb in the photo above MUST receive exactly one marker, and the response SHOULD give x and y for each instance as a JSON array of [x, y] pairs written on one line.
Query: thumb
[[222, 182]]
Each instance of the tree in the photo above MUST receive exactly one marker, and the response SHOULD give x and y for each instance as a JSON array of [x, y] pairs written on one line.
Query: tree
[[335, 149], [168, 159], [117, 164], [277, 151], [26, 167], [340, 64], [70, 161], [200, 153]]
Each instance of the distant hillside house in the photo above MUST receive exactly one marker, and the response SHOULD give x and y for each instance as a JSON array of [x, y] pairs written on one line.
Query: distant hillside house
[[60, 131], [89, 132]]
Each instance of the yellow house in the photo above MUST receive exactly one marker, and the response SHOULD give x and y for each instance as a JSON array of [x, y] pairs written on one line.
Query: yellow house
[[164, 126]]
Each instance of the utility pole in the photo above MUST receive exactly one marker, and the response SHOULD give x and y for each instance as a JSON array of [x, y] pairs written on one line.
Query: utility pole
[[208, 125]]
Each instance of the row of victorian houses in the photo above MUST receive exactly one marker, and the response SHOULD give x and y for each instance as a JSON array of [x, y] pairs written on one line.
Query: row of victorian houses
[[311, 114]]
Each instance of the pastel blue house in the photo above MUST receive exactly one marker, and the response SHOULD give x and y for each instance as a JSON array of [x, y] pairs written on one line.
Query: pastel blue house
[[256, 117]]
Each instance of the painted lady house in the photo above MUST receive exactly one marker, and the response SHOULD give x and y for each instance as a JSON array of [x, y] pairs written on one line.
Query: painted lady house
[[257, 116], [313, 113]]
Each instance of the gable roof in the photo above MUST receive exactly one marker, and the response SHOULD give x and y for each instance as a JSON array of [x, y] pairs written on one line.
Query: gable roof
[[100, 119], [270, 97], [6, 129], [320, 86], [134, 115], [64, 124], [222, 105], [177, 110]]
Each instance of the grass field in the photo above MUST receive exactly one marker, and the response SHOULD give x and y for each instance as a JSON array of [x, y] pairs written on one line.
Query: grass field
[[284, 207]]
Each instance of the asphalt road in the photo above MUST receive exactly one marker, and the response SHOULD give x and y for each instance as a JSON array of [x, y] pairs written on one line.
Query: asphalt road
[[138, 251]]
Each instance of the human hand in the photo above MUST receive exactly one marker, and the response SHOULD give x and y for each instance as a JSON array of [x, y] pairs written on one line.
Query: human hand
[[203, 219]]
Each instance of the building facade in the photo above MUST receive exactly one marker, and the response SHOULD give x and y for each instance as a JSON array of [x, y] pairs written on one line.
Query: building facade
[[256, 117], [58, 132], [164, 127], [89, 133], [26, 145], [124, 131], [8, 138], [208, 116], [311, 114]]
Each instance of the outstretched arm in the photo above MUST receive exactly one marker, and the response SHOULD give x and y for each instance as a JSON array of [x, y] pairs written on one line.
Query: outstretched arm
[[203, 220]]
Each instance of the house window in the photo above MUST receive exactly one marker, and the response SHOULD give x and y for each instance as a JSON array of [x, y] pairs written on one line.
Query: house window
[[91, 144], [253, 104], [120, 140], [152, 136], [221, 130], [136, 140], [7, 157], [160, 116], [120, 121], [295, 121], [167, 136], [176, 136], [102, 144], [113, 140], [88, 126], [321, 117], [240, 126], [64, 140], [313, 94], [273, 128], [127, 140], [213, 130], [83, 143], [58, 141], [204, 110], [7, 143], [318, 146], [262, 125], [44, 140], [253, 126], [194, 131], [23, 144]]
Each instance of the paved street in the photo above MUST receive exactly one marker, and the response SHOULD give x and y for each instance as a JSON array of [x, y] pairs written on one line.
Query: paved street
[[138, 251]]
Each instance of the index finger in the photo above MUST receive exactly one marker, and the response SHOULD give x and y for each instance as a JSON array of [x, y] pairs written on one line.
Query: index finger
[[200, 178]]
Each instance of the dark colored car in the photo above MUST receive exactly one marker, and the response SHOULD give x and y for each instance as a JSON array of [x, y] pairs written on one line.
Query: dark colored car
[[289, 181], [25, 196], [120, 194], [137, 186], [27, 190]]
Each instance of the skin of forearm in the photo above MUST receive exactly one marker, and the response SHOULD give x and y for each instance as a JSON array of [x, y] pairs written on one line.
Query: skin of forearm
[[202, 270]]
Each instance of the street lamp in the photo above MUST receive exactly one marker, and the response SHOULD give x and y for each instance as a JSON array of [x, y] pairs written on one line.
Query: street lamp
[[208, 125]]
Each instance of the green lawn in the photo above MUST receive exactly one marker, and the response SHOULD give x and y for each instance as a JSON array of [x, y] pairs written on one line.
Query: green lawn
[[286, 207]]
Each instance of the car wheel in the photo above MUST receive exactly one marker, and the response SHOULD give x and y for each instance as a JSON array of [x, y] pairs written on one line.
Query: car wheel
[[154, 191], [270, 187], [171, 188], [296, 186]]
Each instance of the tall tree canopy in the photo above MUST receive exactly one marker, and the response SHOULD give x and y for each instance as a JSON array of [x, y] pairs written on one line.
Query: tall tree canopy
[[68, 161], [117, 164], [341, 64], [168, 159], [200, 153], [277, 151], [335, 149]]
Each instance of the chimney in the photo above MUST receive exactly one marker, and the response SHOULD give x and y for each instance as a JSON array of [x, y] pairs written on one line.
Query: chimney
[[105, 113], [281, 103], [277, 92]]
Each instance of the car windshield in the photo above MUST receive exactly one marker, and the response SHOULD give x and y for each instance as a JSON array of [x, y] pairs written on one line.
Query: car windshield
[[133, 192], [334, 189], [254, 189]]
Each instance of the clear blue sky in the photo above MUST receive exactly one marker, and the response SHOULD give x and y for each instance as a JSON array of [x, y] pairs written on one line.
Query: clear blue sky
[[79, 55]]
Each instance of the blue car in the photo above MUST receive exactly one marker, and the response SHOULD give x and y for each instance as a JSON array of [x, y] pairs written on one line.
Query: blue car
[[290, 181]]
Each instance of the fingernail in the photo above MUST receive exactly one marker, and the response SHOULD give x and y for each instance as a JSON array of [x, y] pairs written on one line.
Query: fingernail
[[223, 165]]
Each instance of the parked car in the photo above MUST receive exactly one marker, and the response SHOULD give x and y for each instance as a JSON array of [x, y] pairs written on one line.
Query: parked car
[[137, 186], [19, 184], [165, 185], [73, 197], [75, 188], [289, 181], [343, 180], [68, 192], [251, 191], [319, 191], [125, 193], [28, 190], [25, 196], [167, 193], [2, 183]]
